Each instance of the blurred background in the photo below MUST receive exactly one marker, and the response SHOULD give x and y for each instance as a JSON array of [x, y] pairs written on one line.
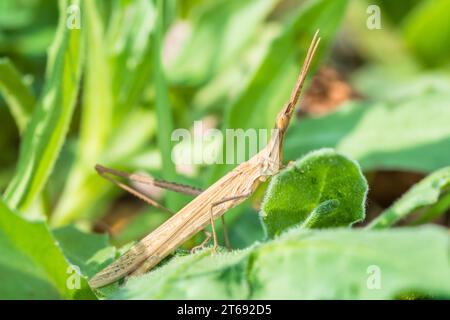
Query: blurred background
[[111, 83]]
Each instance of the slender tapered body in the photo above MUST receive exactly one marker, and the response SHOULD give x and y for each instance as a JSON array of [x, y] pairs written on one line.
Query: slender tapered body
[[229, 191]]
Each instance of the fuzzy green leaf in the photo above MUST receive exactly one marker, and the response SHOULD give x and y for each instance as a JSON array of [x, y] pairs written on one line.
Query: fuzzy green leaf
[[309, 264], [45, 134], [422, 194], [322, 190], [32, 265]]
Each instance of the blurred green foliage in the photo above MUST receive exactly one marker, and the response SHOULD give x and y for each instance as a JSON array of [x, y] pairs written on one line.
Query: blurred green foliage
[[112, 91]]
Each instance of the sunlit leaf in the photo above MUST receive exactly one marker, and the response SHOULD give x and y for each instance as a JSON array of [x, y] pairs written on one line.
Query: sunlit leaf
[[48, 126], [321, 190], [32, 265]]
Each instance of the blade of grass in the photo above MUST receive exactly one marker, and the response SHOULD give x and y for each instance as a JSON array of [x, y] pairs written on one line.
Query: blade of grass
[[129, 43], [436, 210], [127, 51], [97, 102], [21, 103], [45, 134], [97, 95], [16, 93], [162, 104], [423, 194]]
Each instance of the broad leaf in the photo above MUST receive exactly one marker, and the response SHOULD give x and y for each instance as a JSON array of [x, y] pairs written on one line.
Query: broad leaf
[[48, 126], [88, 252], [409, 134], [424, 193], [383, 83], [321, 190], [309, 264], [32, 265]]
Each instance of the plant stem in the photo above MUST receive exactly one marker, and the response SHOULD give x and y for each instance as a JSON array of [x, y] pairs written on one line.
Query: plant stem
[[163, 110]]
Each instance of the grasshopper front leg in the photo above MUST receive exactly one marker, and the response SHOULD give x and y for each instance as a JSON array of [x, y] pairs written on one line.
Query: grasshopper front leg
[[211, 216]]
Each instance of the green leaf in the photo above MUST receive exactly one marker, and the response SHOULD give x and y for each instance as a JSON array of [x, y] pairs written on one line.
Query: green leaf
[[308, 264], [15, 14], [97, 90], [321, 190], [435, 210], [90, 253], [129, 33], [87, 193], [216, 38], [424, 193], [32, 265], [121, 52], [97, 101], [427, 32], [409, 134], [162, 104], [17, 94], [381, 83], [48, 126]]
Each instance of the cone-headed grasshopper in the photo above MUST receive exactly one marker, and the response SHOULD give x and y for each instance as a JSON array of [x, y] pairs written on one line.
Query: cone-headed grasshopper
[[231, 190]]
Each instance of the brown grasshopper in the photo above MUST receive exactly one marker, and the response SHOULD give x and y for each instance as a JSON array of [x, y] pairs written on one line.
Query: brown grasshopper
[[229, 191]]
